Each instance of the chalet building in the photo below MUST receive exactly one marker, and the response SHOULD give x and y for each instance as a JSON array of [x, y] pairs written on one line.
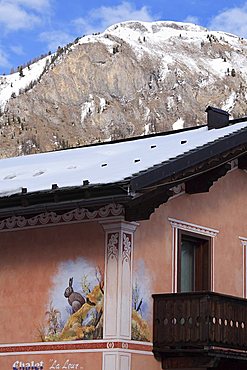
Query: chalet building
[[129, 255]]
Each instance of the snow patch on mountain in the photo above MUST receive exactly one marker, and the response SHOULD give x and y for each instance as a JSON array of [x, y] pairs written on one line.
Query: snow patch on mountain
[[230, 102], [12, 85], [179, 124], [87, 108]]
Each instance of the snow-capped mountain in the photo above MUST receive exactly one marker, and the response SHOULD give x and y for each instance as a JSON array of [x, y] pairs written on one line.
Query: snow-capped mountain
[[135, 78]]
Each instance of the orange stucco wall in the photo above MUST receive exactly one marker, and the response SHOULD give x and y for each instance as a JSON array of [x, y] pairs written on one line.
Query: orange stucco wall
[[144, 362], [76, 361], [29, 260], [223, 208]]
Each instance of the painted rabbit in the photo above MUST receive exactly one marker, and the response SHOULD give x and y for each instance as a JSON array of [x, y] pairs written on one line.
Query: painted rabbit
[[75, 299]]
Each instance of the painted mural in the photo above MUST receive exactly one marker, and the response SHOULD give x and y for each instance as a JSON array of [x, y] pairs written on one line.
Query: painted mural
[[141, 304], [75, 310]]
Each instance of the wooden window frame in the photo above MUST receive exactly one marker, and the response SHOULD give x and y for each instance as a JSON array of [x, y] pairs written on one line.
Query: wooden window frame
[[200, 261]]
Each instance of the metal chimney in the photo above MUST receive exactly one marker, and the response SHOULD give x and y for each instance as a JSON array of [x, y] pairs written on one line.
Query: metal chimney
[[217, 118]]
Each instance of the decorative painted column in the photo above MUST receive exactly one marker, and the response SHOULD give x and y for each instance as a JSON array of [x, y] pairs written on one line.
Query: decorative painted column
[[118, 290]]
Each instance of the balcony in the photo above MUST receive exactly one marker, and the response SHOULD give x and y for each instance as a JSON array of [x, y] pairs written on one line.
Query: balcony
[[200, 328]]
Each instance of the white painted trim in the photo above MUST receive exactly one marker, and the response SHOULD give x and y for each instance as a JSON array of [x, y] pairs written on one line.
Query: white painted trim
[[137, 342], [77, 215], [119, 224], [118, 279], [146, 353], [244, 271], [112, 218], [102, 350], [212, 264], [177, 191], [124, 361], [243, 241], [174, 259], [54, 343], [107, 334], [86, 341], [52, 352], [234, 165], [198, 229], [110, 361]]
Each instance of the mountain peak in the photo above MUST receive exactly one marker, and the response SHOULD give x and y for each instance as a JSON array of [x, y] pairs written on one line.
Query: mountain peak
[[132, 79]]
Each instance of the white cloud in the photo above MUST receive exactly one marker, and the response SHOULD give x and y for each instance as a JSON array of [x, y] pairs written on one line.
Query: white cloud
[[192, 19], [85, 26], [13, 17], [54, 39], [233, 20], [101, 18], [4, 62], [38, 5], [17, 49], [21, 14]]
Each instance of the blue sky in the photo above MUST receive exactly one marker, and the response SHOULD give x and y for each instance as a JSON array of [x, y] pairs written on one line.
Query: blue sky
[[29, 28]]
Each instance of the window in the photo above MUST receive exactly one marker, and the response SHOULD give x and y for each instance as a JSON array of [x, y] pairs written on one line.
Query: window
[[197, 258], [194, 262]]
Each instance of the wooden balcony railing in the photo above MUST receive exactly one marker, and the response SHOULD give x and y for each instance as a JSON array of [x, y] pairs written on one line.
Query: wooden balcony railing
[[199, 320]]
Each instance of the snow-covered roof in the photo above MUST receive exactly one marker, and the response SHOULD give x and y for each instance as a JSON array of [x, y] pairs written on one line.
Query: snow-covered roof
[[104, 163]]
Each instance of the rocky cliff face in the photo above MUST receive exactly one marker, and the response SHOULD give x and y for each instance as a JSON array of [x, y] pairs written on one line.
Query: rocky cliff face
[[135, 78]]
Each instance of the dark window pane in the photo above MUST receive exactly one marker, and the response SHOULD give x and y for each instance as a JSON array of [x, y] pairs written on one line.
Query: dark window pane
[[187, 267]]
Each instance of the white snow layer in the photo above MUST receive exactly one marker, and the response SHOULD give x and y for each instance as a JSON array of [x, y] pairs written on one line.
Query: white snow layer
[[87, 108], [179, 124], [160, 40], [101, 164], [14, 83], [230, 102]]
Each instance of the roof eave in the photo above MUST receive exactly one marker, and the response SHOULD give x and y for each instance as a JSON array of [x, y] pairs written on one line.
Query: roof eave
[[91, 197], [223, 150]]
